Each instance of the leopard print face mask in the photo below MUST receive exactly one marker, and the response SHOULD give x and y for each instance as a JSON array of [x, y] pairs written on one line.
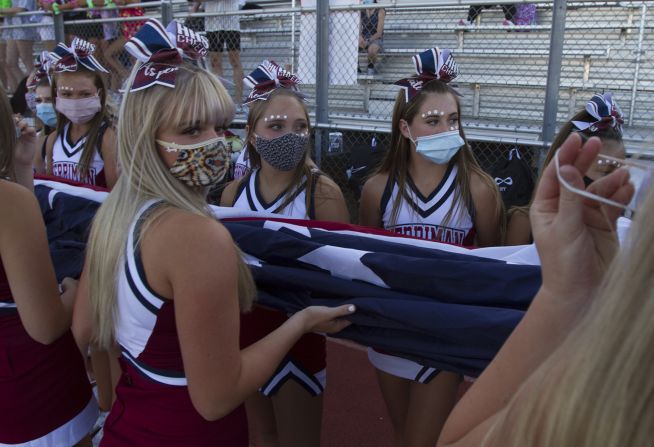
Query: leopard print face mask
[[201, 164], [282, 153]]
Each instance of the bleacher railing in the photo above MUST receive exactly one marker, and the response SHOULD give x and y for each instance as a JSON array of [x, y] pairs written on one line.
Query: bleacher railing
[[515, 90]]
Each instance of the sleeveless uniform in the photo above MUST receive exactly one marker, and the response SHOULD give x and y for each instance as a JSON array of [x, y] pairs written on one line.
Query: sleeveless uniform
[[66, 155], [153, 406], [46, 396], [305, 363], [422, 217]]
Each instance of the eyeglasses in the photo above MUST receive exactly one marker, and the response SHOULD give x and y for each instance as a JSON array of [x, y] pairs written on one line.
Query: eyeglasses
[[640, 175]]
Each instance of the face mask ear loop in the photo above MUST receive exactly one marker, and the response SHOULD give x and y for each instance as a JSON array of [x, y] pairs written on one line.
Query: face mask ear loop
[[584, 193]]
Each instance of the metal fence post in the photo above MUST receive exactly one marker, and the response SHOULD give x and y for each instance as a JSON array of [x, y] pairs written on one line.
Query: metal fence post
[[639, 55], [166, 12], [322, 75], [553, 78], [59, 28]]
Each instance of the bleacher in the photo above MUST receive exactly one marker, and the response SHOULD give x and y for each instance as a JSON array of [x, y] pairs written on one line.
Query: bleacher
[[503, 74]]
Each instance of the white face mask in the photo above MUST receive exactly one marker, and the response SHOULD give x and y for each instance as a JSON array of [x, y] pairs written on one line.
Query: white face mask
[[640, 175], [438, 148]]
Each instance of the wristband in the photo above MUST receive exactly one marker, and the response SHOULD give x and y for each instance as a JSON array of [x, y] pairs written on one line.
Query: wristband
[[55, 8]]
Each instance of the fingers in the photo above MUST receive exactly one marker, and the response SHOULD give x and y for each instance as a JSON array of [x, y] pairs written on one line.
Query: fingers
[[615, 186]]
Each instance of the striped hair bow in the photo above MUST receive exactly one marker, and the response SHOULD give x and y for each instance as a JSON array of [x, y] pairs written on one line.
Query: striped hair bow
[[268, 77], [161, 52], [80, 52], [430, 65], [41, 70], [606, 112]]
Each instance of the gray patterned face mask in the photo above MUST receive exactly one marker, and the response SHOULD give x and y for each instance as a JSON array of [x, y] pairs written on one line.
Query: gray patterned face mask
[[282, 153]]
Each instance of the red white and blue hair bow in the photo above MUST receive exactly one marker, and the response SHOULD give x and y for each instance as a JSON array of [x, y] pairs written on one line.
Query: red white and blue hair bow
[[268, 77], [41, 70], [68, 59], [161, 52], [606, 112], [430, 65]]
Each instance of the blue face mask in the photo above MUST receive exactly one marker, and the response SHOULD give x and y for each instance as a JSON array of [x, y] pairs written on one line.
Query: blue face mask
[[440, 147], [46, 113]]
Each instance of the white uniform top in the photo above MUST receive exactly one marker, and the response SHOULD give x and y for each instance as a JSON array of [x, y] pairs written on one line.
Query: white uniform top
[[248, 198], [66, 156], [221, 23], [422, 217]]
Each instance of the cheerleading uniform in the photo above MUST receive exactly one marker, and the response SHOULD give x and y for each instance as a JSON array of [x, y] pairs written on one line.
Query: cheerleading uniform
[[153, 406], [423, 217], [46, 396], [305, 363], [66, 155]]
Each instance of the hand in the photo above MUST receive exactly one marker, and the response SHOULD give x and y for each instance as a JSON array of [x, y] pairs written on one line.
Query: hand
[[325, 319], [575, 236], [68, 292], [26, 143]]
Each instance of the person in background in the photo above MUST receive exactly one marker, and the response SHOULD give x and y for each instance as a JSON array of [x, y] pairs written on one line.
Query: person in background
[[287, 410], [224, 32], [83, 146], [46, 396], [475, 10], [19, 41], [428, 186], [371, 33], [601, 118], [576, 371]]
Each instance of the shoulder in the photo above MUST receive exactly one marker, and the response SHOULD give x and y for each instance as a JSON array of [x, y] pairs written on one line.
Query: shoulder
[[327, 188], [482, 186], [18, 204], [229, 193], [51, 138], [375, 185]]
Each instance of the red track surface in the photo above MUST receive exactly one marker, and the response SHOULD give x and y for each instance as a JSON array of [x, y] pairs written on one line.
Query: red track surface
[[354, 411]]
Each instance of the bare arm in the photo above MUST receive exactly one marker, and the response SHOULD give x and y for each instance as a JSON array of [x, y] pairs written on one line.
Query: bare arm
[[220, 375], [49, 145], [576, 242], [380, 25], [110, 157], [369, 213], [518, 230], [26, 260], [487, 221], [330, 203]]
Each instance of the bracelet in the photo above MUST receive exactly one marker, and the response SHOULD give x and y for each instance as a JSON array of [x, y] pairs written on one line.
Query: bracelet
[[90, 4], [55, 8]]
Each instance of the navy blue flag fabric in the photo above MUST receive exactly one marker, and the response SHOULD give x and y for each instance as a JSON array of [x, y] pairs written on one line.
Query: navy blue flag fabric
[[448, 310]]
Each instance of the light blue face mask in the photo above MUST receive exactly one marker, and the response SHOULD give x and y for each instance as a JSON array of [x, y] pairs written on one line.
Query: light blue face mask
[[46, 113], [440, 147], [368, 2]]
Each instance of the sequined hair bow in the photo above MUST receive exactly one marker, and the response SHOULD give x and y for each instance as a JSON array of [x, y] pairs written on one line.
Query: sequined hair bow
[[41, 70], [268, 77], [161, 52], [68, 59], [606, 112], [430, 65]]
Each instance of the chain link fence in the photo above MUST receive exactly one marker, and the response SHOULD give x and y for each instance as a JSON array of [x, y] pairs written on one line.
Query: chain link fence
[[503, 54]]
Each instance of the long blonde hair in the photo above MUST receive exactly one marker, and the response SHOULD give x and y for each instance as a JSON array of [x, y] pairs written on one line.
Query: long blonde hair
[[197, 96], [396, 160], [596, 389], [304, 169]]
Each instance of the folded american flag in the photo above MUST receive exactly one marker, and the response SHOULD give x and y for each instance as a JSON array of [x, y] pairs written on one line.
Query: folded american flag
[[445, 306]]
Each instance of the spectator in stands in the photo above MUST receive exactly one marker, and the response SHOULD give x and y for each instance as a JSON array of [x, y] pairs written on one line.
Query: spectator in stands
[[288, 409], [46, 32], [224, 32], [184, 376], [39, 83], [474, 11], [83, 147], [587, 336], [93, 32], [19, 41], [46, 396], [601, 118], [431, 187], [371, 33]]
